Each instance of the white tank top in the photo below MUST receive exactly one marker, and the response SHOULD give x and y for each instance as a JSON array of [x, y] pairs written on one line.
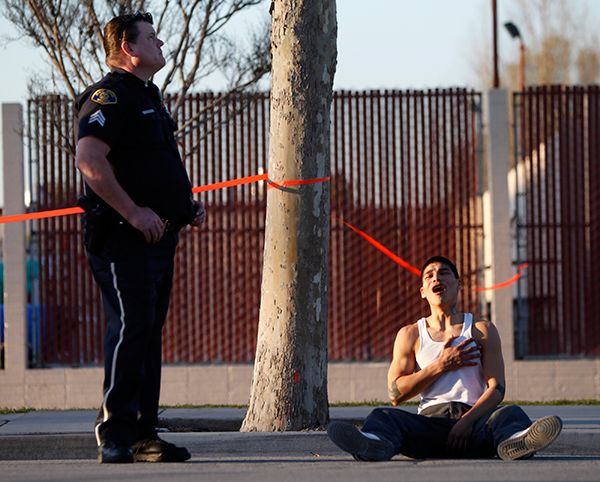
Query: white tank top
[[464, 385]]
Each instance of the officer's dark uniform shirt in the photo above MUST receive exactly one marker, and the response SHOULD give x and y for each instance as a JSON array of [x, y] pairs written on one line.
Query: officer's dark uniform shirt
[[129, 115]]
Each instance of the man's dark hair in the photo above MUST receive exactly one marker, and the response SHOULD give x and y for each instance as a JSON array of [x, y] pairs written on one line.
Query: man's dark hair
[[123, 27], [443, 260]]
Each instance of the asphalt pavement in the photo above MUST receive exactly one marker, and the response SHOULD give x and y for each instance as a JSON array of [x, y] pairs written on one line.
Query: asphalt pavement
[[58, 446], [68, 435]]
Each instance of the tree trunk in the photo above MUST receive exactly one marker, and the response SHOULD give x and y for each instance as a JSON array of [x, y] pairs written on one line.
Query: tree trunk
[[289, 388]]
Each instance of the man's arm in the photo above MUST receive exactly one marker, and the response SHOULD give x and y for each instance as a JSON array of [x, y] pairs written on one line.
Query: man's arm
[[486, 335], [403, 365], [91, 160], [404, 383]]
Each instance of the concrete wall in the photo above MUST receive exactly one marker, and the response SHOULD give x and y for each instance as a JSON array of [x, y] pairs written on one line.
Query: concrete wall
[[230, 384], [64, 388]]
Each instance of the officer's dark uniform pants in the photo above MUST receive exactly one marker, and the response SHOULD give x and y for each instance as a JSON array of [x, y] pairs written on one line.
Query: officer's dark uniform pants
[[425, 435], [135, 279]]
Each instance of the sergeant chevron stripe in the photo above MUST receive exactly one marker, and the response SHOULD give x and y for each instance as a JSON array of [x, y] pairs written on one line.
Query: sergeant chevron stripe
[[98, 117]]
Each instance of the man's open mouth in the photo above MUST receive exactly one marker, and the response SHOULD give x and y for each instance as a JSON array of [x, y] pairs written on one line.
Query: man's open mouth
[[438, 289]]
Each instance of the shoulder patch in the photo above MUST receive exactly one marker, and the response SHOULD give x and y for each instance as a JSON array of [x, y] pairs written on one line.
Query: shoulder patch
[[104, 97]]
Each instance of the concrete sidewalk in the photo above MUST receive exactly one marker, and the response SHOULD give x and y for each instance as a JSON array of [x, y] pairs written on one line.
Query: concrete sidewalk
[[69, 434]]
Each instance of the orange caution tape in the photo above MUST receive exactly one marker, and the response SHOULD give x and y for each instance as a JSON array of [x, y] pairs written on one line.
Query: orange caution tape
[[273, 184], [417, 272], [384, 250], [263, 177], [508, 282], [231, 183], [209, 187], [40, 215]]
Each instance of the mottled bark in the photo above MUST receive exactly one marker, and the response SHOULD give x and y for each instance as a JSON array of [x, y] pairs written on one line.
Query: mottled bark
[[289, 388]]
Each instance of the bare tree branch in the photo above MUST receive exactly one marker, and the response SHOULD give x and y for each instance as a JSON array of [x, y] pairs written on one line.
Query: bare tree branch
[[197, 34]]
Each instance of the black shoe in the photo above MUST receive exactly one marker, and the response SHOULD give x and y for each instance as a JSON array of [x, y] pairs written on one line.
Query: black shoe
[[525, 443], [157, 450], [347, 437], [111, 453]]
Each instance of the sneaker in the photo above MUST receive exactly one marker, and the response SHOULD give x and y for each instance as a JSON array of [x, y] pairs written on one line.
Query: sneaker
[[525, 443], [111, 453], [158, 450], [347, 437]]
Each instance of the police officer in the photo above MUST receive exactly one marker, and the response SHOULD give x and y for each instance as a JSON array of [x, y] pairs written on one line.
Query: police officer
[[137, 198]]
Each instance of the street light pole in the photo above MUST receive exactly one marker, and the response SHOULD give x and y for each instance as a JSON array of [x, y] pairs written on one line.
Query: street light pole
[[515, 33], [521, 65], [495, 39]]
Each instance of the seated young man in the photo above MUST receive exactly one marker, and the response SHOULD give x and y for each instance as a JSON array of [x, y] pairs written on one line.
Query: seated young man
[[455, 364]]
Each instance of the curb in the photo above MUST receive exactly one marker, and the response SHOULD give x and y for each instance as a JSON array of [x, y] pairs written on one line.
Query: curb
[[82, 446], [183, 425]]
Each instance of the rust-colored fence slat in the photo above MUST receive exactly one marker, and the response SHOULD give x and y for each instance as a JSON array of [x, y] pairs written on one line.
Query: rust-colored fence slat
[[557, 188]]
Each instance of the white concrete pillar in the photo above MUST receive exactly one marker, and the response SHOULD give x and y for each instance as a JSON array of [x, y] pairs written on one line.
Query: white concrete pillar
[[498, 212], [15, 294]]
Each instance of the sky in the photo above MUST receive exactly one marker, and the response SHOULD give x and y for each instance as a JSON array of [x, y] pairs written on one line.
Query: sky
[[407, 44], [382, 44]]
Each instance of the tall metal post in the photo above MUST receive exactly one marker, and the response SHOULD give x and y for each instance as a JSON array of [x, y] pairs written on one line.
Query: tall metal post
[[496, 83]]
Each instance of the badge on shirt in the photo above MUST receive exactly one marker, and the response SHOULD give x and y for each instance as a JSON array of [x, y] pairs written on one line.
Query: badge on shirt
[[104, 97]]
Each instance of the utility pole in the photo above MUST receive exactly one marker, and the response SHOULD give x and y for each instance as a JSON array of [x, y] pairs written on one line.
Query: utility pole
[[496, 83]]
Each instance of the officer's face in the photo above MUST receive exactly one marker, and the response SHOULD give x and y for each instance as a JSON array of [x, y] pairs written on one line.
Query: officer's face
[[147, 48]]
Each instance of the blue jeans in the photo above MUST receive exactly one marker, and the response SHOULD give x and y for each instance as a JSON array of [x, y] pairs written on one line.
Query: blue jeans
[[425, 435]]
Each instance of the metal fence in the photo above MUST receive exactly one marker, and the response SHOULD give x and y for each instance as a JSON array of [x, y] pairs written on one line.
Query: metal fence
[[405, 169], [556, 179]]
